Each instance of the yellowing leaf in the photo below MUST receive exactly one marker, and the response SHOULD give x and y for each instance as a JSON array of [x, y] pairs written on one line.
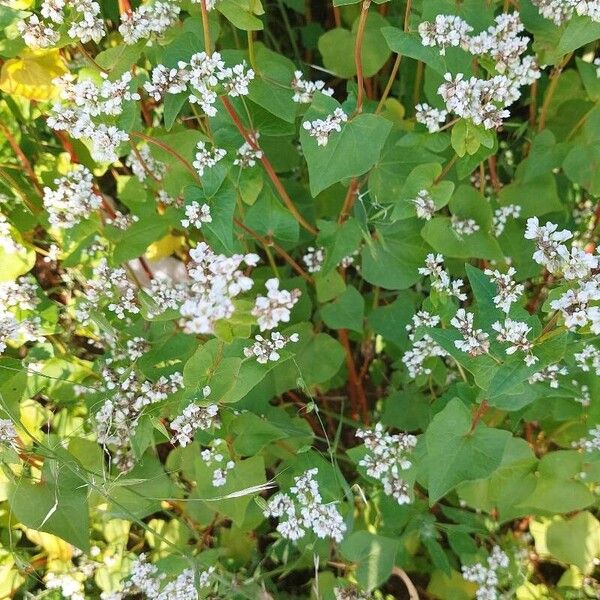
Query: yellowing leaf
[[19, 4], [55, 547], [165, 246], [31, 75]]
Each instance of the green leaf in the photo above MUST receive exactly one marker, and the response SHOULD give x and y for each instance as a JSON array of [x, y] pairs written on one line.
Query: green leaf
[[558, 489], [393, 259], [252, 434], [136, 239], [119, 59], [409, 44], [241, 13], [456, 454], [270, 88], [375, 556], [269, 218], [240, 480], [349, 153], [57, 505], [346, 311], [465, 138], [441, 236], [338, 241], [337, 48], [575, 541]]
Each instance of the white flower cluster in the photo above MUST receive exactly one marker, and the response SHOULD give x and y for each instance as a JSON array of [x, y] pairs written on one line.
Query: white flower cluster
[[19, 295], [303, 509], [196, 215], [350, 593], [483, 101], [589, 359], [424, 348], [424, 205], [148, 20], [321, 129], [118, 418], [216, 455], [508, 289], [265, 349], [431, 117], [136, 348], [7, 242], [247, 153], [73, 200], [575, 265], [549, 374], [388, 456], [8, 433], [314, 259], [275, 307], [475, 341], [515, 334], [216, 280], [304, 91], [146, 579], [107, 283], [489, 577], [207, 159], [192, 419], [204, 77], [560, 11], [121, 220], [143, 164], [501, 216], [83, 16], [591, 443], [440, 279], [69, 584], [446, 31], [464, 226], [85, 100], [165, 294]]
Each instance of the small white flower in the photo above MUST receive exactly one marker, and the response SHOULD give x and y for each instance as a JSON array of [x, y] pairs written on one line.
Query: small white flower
[[207, 159], [475, 341], [304, 91], [321, 129], [196, 215]]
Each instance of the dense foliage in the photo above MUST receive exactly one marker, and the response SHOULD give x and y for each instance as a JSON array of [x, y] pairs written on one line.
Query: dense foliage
[[299, 298]]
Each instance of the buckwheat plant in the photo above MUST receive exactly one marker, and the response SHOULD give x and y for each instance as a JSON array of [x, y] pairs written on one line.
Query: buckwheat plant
[[299, 299]]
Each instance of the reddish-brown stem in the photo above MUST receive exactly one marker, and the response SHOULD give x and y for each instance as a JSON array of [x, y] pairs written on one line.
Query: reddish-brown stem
[[302, 409], [65, 142], [22, 159], [349, 200], [396, 67], [478, 415], [337, 17], [124, 7], [358, 398], [169, 150], [446, 169], [360, 34], [205, 28], [143, 162], [554, 77], [533, 104], [269, 243], [494, 179], [268, 167]]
